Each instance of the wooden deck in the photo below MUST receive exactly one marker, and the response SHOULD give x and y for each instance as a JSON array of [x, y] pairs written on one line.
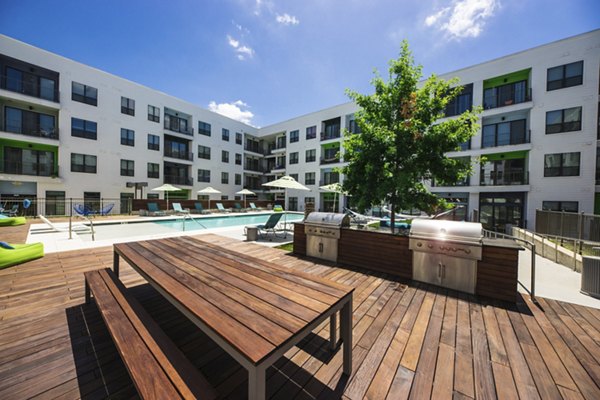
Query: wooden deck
[[410, 340]]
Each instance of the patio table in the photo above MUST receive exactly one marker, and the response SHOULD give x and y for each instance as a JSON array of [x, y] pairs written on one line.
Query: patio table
[[253, 309]]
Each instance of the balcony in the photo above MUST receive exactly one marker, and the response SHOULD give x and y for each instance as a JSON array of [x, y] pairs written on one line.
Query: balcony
[[181, 155], [506, 95], [179, 180], [330, 160], [253, 166], [179, 125], [31, 85], [330, 135], [328, 180], [40, 132], [29, 168], [254, 148], [504, 178]]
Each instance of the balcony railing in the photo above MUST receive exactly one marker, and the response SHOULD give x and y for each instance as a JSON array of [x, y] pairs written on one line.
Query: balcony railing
[[173, 125], [254, 167], [29, 88], [501, 178], [330, 160], [179, 180], [28, 168], [181, 155], [254, 148], [330, 135], [329, 181], [506, 95], [39, 132]]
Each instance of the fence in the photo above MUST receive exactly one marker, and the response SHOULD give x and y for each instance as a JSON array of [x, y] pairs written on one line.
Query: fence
[[570, 225], [64, 206]]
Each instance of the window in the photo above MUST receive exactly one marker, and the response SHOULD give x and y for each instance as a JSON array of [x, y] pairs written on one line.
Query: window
[[127, 137], [565, 76], [238, 179], [225, 177], [311, 132], [47, 89], [505, 95], [84, 93], [225, 134], [127, 106], [204, 152], [203, 128], [567, 206], [294, 158], [353, 126], [84, 129], [293, 203], [294, 136], [562, 164], [224, 156], [461, 103], [153, 113], [309, 200], [311, 155], [309, 178], [294, 176], [29, 123], [238, 138], [153, 170], [566, 120], [127, 168], [153, 142], [203, 175], [238, 159], [513, 132], [83, 163]]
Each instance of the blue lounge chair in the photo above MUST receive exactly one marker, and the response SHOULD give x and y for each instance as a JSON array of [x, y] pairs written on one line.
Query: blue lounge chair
[[268, 228], [106, 209], [221, 208], [198, 208], [179, 210], [154, 210], [82, 210], [254, 208], [238, 208]]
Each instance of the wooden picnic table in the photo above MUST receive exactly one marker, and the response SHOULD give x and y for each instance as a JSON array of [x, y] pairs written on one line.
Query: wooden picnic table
[[254, 309]]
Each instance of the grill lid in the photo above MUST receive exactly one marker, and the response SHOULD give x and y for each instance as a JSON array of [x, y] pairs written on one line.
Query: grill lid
[[446, 230], [328, 219]]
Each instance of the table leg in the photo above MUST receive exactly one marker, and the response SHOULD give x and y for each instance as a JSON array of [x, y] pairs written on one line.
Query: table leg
[[116, 263], [346, 334], [87, 292], [257, 383], [332, 331]]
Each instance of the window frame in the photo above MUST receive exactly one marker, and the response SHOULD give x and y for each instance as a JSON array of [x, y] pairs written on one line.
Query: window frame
[[128, 141], [151, 145], [563, 81], [294, 158], [202, 176], [562, 125], [225, 156], [311, 132], [224, 178], [129, 169], [153, 113], [84, 133], [238, 159], [127, 106], [85, 168], [85, 98], [239, 138], [225, 134], [150, 171], [560, 169], [204, 128], [294, 136], [202, 153]]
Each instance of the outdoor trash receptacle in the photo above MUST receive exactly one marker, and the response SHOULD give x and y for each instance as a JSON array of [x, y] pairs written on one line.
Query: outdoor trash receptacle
[[251, 233]]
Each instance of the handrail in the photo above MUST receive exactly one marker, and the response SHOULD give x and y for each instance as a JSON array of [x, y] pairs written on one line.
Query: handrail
[[530, 245], [84, 218], [187, 215]]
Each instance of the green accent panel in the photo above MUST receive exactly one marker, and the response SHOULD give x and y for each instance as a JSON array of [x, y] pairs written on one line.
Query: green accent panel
[[510, 78], [597, 203], [28, 145], [331, 145], [179, 195], [513, 155]]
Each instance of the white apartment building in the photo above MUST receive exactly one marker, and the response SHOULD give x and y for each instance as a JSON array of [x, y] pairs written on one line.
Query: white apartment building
[[68, 130]]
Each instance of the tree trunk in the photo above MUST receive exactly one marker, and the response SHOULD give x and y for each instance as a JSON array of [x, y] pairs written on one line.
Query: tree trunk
[[392, 218]]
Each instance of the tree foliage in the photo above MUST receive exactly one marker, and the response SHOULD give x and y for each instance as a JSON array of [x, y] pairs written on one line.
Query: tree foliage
[[403, 141]]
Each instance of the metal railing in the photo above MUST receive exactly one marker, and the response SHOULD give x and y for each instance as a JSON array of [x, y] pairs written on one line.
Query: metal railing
[[51, 133], [29, 88], [63, 207], [29, 168], [500, 178], [179, 180], [530, 245], [179, 154]]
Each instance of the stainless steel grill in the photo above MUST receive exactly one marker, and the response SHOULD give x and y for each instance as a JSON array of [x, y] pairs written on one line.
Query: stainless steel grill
[[322, 234], [445, 253]]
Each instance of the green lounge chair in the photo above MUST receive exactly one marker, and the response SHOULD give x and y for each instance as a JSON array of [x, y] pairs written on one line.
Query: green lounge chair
[[268, 228], [179, 210], [238, 208], [222, 209], [254, 208], [13, 254], [154, 210]]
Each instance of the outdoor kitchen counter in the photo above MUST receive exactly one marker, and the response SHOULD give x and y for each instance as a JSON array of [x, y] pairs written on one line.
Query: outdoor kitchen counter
[[507, 243], [498, 269]]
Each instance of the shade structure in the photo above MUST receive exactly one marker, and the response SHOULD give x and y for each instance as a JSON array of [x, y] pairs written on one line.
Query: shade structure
[[334, 188], [208, 191], [167, 188], [244, 192], [286, 182]]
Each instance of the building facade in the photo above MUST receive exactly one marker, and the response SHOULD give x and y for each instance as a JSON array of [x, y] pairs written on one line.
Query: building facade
[[68, 130]]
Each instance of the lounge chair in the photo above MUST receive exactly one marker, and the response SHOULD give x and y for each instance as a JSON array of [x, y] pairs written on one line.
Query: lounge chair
[[198, 208], [106, 209], [268, 228], [254, 208], [77, 227], [179, 210], [13, 254], [222, 209], [238, 208], [83, 210], [154, 210], [12, 212]]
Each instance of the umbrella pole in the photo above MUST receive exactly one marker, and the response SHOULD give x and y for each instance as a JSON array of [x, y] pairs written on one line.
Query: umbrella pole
[[285, 214]]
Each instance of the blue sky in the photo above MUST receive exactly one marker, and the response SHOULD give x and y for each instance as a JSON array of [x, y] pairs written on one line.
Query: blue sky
[[266, 61]]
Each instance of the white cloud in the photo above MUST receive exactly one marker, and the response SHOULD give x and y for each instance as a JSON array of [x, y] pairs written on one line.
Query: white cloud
[[243, 52], [464, 18], [287, 19], [235, 110]]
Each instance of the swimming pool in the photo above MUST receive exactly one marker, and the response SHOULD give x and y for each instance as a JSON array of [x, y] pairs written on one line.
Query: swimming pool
[[132, 229]]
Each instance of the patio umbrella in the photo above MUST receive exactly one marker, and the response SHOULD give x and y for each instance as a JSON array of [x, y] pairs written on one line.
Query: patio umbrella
[[208, 191], [167, 188], [333, 188], [245, 192], [286, 182]]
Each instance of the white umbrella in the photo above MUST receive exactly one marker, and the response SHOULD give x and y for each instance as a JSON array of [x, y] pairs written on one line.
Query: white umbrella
[[245, 192], [208, 191], [167, 188], [333, 188], [286, 182]]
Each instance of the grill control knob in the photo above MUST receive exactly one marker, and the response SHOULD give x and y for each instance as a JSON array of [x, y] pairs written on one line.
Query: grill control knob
[[468, 251], [454, 249], [430, 246], [419, 244]]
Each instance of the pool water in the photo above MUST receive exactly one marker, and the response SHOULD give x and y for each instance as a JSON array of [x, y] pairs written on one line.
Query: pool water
[[223, 221]]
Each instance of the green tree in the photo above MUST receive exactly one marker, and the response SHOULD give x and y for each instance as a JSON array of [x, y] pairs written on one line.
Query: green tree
[[403, 141]]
